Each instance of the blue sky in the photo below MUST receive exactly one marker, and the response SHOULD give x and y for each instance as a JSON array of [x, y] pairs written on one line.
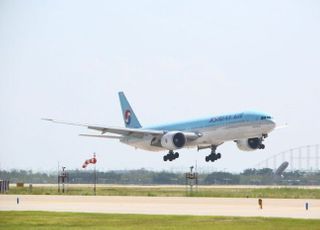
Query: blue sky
[[175, 60]]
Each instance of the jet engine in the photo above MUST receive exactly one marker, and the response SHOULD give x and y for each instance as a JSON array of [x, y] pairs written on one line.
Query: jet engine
[[173, 140], [250, 144]]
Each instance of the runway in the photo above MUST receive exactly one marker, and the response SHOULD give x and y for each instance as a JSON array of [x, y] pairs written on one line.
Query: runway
[[293, 208]]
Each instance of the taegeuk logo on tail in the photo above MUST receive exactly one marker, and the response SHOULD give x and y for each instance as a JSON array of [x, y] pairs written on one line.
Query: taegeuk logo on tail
[[127, 117]]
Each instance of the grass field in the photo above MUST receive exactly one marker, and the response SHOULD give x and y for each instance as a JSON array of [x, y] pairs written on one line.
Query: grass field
[[59, 220], [177, 191]]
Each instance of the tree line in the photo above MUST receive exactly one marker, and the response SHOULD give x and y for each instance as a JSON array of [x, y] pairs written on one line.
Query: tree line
[[145, 177]]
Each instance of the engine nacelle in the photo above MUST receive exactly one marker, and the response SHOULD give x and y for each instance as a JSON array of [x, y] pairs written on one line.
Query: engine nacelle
[[173, 140], [249, 144]]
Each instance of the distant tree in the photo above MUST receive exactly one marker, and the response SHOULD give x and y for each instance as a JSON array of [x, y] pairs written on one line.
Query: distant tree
[[221, 178], [164, 178], [265, 172], [249, 172]]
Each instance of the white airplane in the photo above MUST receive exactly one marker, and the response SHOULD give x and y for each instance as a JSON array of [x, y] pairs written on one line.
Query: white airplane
[[247, 129]]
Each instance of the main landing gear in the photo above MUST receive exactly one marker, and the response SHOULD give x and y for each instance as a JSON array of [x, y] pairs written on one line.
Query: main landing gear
[[171, 156], [213, 155], [259, 141], [261, 146]]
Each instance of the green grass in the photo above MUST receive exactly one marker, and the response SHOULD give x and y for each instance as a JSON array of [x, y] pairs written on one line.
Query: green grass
[[59, 220], [177, 191]]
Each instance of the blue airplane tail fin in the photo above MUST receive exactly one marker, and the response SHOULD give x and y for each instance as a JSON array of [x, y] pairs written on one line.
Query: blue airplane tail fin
[[129, 117]]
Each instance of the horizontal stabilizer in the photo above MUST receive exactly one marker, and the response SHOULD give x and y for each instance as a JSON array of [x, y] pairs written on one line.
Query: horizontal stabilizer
[[103, 136]]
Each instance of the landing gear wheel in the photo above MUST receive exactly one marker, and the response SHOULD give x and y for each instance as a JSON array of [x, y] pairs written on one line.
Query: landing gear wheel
[[171, 156], [213, 156]]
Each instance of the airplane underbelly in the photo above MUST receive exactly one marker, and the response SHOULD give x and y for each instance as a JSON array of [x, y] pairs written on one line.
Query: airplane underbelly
[[141, 144]]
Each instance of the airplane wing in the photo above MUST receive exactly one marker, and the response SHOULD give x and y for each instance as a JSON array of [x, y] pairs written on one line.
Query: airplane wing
[[140, 132]]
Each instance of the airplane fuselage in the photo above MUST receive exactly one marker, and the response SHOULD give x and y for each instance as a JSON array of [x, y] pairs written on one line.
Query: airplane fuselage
[[214, 130]]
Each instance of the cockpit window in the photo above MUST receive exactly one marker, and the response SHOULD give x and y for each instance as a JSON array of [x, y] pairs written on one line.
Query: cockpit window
[[266, 117]]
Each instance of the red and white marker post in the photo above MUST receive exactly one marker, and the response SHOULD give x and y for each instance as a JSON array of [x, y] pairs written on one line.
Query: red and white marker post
[[92, 161]]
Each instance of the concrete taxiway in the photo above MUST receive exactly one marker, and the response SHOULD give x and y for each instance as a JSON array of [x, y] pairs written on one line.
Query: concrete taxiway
[[293, 208]]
